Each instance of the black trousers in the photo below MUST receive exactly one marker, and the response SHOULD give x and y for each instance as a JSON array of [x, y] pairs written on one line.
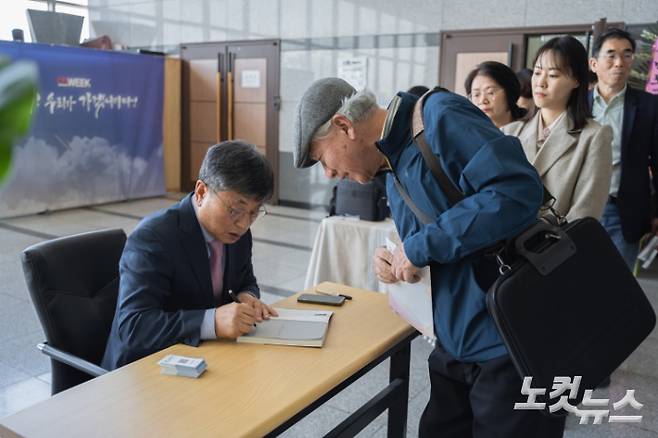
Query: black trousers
[[477, 400]]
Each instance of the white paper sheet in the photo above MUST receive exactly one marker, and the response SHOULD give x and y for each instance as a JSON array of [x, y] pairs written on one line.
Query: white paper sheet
[[413, 301]]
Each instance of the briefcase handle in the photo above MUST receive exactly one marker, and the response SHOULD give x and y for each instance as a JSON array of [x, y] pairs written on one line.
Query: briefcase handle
[[545, 246]]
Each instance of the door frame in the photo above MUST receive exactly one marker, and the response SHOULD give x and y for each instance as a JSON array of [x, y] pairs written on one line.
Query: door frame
[[220, 50], [517, 54]]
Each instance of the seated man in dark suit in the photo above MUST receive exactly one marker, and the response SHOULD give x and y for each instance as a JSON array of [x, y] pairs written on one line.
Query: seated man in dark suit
[[182, 266]]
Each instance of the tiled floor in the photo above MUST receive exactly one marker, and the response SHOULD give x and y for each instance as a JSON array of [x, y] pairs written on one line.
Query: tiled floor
[[282, 243]]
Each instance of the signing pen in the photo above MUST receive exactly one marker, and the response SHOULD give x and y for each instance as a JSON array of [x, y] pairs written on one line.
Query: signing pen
[[233, 296]]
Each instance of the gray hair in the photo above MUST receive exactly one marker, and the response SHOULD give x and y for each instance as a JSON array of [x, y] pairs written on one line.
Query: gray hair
[[237, 166], [357, 107]]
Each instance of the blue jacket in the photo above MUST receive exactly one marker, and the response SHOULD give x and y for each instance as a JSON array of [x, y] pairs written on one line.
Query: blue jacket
[[165, 285], [503, 195]]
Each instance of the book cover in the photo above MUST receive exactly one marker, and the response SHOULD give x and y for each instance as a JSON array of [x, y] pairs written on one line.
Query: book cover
[[304, 328]]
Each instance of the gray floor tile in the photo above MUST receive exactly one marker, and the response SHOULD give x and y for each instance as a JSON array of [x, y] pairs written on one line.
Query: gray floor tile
[[298, 212], [285, 230], [416, 407], [10, 375], [20, 395], [359, 392], [378, 427], [264, 252], [14, 243], [644, 360], [274, 274], [17, 317], [419, 377], [13, 282], [316, 424], [414, 410], [21, 353], [374, 381], [46, 377], [301, 236], [64, 223], [7, 304], [607, 431], [295, 258], [139, 207], [295, 285], [263, 227]]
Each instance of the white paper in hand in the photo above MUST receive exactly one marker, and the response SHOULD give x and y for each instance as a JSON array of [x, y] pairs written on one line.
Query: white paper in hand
[[413, 301]]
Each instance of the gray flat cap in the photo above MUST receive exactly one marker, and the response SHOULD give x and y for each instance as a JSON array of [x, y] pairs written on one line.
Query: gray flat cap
[[320, 102]]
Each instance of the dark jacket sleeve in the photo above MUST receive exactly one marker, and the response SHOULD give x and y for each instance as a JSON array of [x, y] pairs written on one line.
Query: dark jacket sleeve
[[144, 326], [653, 151], [246, 274]]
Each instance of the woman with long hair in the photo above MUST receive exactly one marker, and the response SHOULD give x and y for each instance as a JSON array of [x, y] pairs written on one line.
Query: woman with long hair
[[571, 152]]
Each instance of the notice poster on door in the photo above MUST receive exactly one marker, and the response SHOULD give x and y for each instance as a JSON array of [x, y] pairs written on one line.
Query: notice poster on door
[[250, 79], [354, 71]]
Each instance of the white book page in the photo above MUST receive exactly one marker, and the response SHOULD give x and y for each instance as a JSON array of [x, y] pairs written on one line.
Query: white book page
[[413, 301], [302, 315]]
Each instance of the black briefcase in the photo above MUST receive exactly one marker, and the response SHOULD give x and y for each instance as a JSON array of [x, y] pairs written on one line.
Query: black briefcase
[[568, 305]]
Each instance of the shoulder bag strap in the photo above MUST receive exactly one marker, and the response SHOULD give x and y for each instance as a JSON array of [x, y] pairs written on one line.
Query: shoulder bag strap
[[422, 217], [430, 160], [449, 188]]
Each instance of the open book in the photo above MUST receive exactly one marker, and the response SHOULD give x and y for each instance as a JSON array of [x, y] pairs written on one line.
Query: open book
[[413, 301], [305, 328]]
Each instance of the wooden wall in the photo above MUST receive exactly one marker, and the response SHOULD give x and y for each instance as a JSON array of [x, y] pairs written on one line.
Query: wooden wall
[[172, 124]]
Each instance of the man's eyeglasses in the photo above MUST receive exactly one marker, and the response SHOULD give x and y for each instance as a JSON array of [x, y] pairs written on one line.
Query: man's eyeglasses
[[235, 214], [611, 56]]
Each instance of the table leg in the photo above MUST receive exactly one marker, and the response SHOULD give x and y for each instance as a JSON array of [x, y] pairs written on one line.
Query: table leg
[[397, 411]]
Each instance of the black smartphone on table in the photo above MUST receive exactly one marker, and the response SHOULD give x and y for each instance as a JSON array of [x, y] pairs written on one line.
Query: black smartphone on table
[[331, 300]]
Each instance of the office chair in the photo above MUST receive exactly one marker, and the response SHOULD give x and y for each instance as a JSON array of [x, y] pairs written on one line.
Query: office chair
[[74, 283]]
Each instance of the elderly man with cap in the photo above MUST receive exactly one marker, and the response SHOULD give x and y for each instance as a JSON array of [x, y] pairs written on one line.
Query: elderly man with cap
[[474, 384]]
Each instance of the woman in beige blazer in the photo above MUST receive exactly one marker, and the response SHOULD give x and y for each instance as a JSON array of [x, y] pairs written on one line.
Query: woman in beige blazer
[[571, 152]]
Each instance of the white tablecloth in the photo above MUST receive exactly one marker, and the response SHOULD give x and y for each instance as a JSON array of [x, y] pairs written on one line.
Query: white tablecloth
[[343, 249]]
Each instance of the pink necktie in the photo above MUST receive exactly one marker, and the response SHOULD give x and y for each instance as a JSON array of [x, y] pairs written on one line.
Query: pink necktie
[[216, 266]]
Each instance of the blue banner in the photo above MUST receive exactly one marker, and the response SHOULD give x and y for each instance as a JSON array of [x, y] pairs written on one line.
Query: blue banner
[[96, 134]]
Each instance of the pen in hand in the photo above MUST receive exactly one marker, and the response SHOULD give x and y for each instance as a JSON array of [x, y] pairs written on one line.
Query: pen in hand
[[235, 299], [233, 296]]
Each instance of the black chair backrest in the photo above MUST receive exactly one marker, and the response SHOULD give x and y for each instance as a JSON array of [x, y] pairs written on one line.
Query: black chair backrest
[[74, 282]]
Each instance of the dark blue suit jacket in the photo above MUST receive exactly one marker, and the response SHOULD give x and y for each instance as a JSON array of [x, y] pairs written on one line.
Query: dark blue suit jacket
[[639, 152], [165, 284]]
